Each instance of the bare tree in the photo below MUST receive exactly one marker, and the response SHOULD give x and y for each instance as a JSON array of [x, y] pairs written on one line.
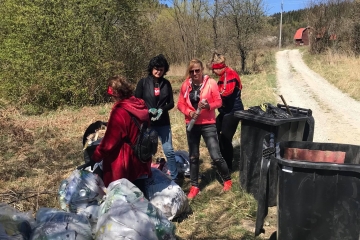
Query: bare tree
[[213, 13], [246, 22], [189, 16], [330, 24]]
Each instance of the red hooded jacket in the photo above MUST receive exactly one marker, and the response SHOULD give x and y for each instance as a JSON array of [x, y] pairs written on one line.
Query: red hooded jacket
[[118, 157]]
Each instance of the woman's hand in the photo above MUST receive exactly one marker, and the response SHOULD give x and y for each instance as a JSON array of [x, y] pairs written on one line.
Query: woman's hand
[[193, 114], [204, 104]]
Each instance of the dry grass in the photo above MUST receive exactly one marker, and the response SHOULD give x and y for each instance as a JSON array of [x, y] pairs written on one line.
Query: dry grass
[[40, 151], [342, 70]]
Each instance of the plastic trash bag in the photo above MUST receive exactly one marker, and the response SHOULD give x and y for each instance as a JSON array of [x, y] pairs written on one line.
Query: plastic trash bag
[[268, 110], [127, 214], [183, 162], [53, 224], [15, 225], [166, 195], [3, 234], [81, 190], [121, 189]]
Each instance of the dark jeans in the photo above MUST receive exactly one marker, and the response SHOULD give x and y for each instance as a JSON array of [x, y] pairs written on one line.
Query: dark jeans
[[226, 126], [209, 134]]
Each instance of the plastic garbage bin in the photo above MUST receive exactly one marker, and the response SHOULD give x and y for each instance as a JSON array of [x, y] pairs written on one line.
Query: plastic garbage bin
[[255, 137], [318, 191]]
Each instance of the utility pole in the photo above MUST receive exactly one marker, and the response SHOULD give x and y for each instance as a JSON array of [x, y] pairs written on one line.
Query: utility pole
[[280, 23]]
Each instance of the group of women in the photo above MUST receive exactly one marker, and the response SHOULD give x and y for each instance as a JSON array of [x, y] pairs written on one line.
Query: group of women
[[200, 95]]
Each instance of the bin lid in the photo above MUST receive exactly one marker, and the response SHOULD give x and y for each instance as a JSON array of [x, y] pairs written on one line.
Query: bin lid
[[349, 167], [245, 114], [321, 156]]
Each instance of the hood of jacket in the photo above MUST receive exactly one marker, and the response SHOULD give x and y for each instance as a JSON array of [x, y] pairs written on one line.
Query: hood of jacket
[[134, 105]]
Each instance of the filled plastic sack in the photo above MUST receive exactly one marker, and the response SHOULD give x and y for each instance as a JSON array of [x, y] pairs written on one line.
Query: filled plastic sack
[[166, 195], [56, 224], [183, 162], [3, 234], [127, 214], [81, 190], [15, 225]]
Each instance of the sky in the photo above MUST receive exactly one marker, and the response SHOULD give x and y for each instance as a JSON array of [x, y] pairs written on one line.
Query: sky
[[273, 6]]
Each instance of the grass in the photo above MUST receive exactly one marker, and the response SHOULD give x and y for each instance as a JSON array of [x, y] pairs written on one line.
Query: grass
[[40, 151], [342, 70]]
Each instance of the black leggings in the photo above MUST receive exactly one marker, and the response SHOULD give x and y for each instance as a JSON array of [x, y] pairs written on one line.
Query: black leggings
[[208, 132], [226, 125]]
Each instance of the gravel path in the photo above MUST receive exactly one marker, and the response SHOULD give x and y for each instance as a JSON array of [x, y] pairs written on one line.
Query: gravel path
[[336, 114]]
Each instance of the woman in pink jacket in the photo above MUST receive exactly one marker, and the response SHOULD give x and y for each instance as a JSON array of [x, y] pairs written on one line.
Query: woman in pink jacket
[[200, 92]]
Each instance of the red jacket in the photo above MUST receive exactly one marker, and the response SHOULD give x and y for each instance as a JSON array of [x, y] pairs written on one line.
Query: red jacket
[[230, 89], [209, 91], [118, 157]]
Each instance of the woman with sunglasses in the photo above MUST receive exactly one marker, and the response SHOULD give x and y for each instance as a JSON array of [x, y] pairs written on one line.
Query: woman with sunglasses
[[157, 93], [230, 90], [119, 160], [201, 92]]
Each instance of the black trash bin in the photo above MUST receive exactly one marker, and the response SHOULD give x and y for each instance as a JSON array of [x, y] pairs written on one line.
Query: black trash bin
[[255, 137], [318, 191]]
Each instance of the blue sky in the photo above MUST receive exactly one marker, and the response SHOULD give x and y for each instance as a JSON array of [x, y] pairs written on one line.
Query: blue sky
[[273, 6]]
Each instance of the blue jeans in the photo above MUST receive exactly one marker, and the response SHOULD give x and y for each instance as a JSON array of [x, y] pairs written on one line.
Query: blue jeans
[[165, 136], [209, 134]]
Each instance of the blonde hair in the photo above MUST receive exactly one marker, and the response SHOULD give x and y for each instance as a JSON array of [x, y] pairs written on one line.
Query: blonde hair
[[216, 58], [191, 64]]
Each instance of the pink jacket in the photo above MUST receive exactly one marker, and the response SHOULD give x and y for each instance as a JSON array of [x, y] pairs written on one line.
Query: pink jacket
[[209, 91]]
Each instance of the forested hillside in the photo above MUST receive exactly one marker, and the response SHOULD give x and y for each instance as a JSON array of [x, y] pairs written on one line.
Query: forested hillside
[[60, 52]]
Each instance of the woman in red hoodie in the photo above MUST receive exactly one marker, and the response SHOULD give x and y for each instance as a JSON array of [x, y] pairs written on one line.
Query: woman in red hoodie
[[119, 160], [199, 97]]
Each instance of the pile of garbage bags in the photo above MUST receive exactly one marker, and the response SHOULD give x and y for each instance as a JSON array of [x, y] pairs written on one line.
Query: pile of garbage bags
[[91, 211]]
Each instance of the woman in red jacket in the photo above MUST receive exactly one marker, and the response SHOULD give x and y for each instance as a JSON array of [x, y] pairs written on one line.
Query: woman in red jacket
[[119, 160], [201, 92], [230, 89]]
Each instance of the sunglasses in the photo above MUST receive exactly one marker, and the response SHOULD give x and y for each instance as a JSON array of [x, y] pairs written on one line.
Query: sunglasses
[[194, 71]]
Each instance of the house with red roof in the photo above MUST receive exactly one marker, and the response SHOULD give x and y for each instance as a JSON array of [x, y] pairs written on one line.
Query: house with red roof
[[301, 37]]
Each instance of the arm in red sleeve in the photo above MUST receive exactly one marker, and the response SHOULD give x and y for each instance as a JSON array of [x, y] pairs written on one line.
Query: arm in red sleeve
[[182, 104], [215, 101], [114, 135]]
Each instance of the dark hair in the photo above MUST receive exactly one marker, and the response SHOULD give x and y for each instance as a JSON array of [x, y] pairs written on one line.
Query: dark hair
[[158, 61], [121, 86]]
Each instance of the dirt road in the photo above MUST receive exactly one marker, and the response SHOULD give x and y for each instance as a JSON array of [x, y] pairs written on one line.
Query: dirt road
[[336, 115]]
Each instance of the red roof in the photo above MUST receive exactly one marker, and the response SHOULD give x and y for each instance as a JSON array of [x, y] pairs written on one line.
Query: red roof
[[298, 34]]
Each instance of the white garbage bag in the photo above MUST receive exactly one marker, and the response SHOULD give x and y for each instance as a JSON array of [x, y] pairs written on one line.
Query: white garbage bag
[[15, 225], [81, 190], [183, 162], [3, 234], [127, 214], [53, 224], [166, 195]]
